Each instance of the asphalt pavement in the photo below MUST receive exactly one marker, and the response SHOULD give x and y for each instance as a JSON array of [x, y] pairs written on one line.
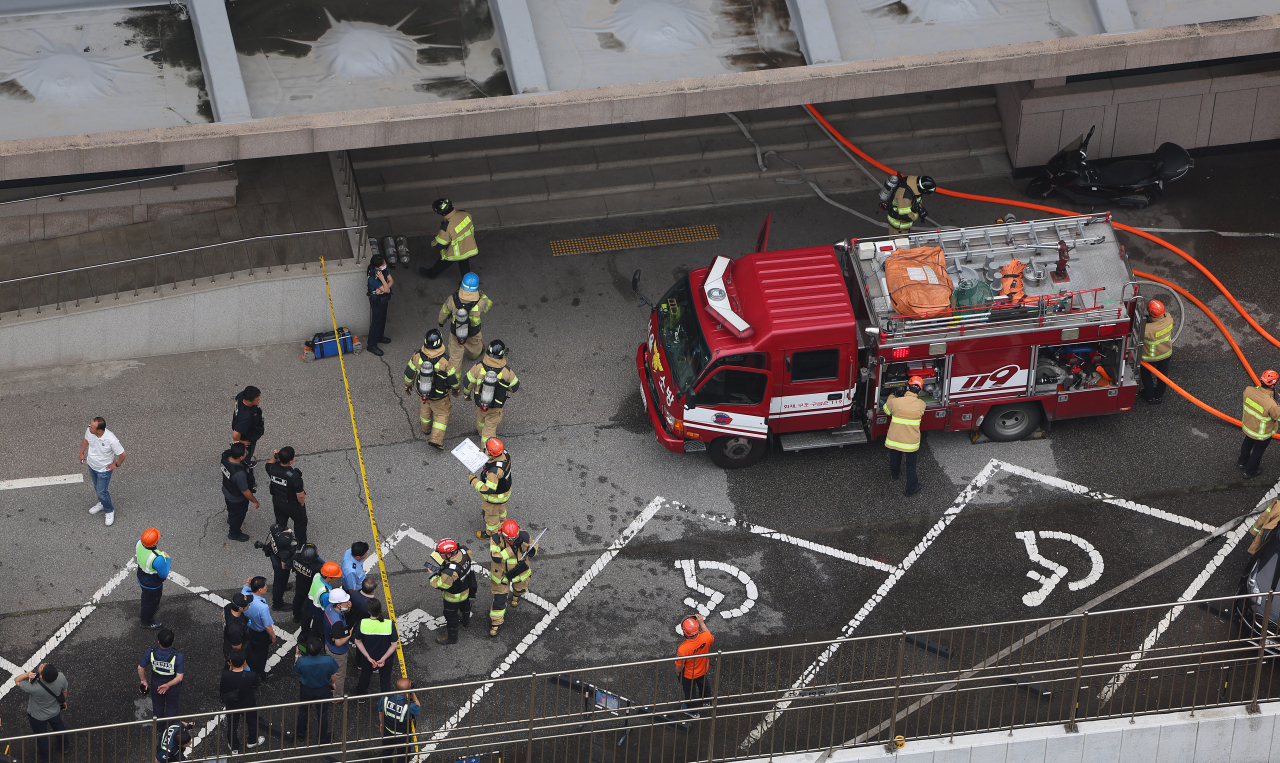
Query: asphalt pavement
[[588, 469]]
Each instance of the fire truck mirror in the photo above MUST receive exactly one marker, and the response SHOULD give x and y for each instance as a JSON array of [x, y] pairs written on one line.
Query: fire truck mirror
[[690, 400]]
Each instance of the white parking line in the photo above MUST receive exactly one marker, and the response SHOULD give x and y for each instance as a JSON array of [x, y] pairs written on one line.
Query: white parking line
[[70, 625], [811, 672], [1233, 539], [801, 542], [578, 587], [61, 479]]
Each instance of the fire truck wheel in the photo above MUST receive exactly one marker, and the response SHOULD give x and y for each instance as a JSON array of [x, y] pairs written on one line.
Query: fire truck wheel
[[735, 452], [1011, 422]]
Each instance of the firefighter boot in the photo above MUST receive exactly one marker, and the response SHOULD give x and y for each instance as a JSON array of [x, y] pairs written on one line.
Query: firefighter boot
[[482, 535], [450, 638], [515, 600], [493, 628], [466, 619]]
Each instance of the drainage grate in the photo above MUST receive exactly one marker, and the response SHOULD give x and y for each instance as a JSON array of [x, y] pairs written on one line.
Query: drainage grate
[[615, 241]]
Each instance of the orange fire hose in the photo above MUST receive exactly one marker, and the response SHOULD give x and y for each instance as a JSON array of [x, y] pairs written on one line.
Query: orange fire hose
[[1027, 205]]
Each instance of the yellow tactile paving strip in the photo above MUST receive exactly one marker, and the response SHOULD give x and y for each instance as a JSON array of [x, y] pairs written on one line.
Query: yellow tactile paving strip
[[615, 241]]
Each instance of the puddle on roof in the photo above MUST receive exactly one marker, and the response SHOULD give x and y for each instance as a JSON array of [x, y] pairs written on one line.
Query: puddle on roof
[[313, 56], [101, 70], [592, 43]]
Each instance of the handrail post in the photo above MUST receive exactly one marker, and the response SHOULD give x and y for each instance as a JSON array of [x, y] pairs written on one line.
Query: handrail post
[[1253, 708], [346, 706], [1075, 690], [528, 752], [715, 704], [897, 687]]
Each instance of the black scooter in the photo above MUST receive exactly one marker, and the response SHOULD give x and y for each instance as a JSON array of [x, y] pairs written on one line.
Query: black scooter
[[1130, 183]]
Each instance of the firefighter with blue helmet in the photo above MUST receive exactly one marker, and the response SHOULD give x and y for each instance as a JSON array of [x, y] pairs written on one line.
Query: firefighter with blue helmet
[[460, 319]]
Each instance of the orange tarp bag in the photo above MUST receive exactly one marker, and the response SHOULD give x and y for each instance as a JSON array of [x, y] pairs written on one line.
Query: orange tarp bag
[[918, 281]]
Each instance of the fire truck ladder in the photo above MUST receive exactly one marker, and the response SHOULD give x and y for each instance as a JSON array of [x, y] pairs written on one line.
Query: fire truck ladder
[[970, 247]]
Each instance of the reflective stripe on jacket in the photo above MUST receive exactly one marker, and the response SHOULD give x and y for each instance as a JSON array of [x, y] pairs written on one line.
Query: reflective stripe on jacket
[[457, 237], [1157, 339], [904, 427], [1260, 413]]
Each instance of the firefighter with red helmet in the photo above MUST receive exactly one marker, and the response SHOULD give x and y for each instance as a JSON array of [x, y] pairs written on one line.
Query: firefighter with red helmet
[[433, 377], [453, 572], [494, 485], [489, 383], [1157, 347], [510, 551], [1261, 412], [904, 431]]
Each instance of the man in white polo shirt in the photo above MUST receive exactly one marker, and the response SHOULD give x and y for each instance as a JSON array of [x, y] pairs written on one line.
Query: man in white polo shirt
[[102, 453]]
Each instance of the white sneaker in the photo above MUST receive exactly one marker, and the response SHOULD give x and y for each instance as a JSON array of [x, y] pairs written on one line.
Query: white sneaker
[[111, 519], [96, 508]]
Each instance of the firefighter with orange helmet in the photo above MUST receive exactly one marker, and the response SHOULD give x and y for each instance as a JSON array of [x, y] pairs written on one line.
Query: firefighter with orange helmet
[[904, 431], [494, 485], [1261, 412], [453, 572], [510, 551], [1157, 347], [153, 568]]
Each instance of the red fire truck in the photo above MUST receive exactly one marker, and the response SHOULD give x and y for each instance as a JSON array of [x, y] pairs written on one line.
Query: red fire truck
[[797, 349]]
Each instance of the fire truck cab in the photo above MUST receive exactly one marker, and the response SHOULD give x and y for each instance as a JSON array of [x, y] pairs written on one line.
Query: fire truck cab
[[799, 349]]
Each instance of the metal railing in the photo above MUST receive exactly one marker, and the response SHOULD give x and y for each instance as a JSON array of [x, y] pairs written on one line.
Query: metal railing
[[352, 202], [764, 702], [60, 195], [154, 271]]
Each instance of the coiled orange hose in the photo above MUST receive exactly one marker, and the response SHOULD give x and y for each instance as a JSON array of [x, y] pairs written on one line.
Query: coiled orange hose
[[1129, 229]]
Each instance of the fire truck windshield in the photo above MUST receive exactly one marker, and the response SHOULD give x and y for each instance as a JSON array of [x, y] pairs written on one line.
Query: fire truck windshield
[[682, 338]]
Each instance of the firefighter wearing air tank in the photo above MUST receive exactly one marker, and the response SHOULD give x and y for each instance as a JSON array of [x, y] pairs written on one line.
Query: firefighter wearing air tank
[[1157, 348], [433, 377], [460, 318], [494, 485], [510, 552], [901, 196], [1258, 422], [452, 571], [489, 382], [904, 431]]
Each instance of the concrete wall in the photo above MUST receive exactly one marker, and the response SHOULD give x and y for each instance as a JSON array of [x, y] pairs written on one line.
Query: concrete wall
[[1229, 735], [740, 91], [247, 311], [1215, 106], [59, 216]]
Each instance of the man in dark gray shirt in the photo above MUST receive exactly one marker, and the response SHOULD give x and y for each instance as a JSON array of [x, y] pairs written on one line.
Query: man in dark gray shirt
[[44, 687], [235, 490]]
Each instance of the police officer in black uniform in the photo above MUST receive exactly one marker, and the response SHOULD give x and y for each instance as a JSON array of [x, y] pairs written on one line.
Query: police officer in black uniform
[[237, 489], [288, 498], [280, 548], [247, 426], [306, 565], [173, 739]]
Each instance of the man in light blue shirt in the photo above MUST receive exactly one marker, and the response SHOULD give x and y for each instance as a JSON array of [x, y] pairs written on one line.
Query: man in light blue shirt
[[353, 566], [262, 631]]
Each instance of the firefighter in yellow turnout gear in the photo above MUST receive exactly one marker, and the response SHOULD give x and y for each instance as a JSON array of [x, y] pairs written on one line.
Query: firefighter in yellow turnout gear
[[494, 485], [1267, 520], [460, 318], [456, 241], [1157, 348], [904, 431], [1261, 414], [488, 384], [906, 206], [431, 375], [510, 552], [453, 573]]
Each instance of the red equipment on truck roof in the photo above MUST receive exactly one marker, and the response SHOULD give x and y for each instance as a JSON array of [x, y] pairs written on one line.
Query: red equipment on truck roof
[[800, 348]]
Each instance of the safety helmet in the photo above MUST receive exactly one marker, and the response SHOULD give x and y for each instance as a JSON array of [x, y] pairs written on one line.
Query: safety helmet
[[433, 340], [330, 570], [496, 349], [510, 529], [690, 627], [1269, 379], [915, 383], [471, 282], [150, 537], [309, 553], [446, 546], [494, 447], [1155, 308], [926, 184], [442, 206]]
